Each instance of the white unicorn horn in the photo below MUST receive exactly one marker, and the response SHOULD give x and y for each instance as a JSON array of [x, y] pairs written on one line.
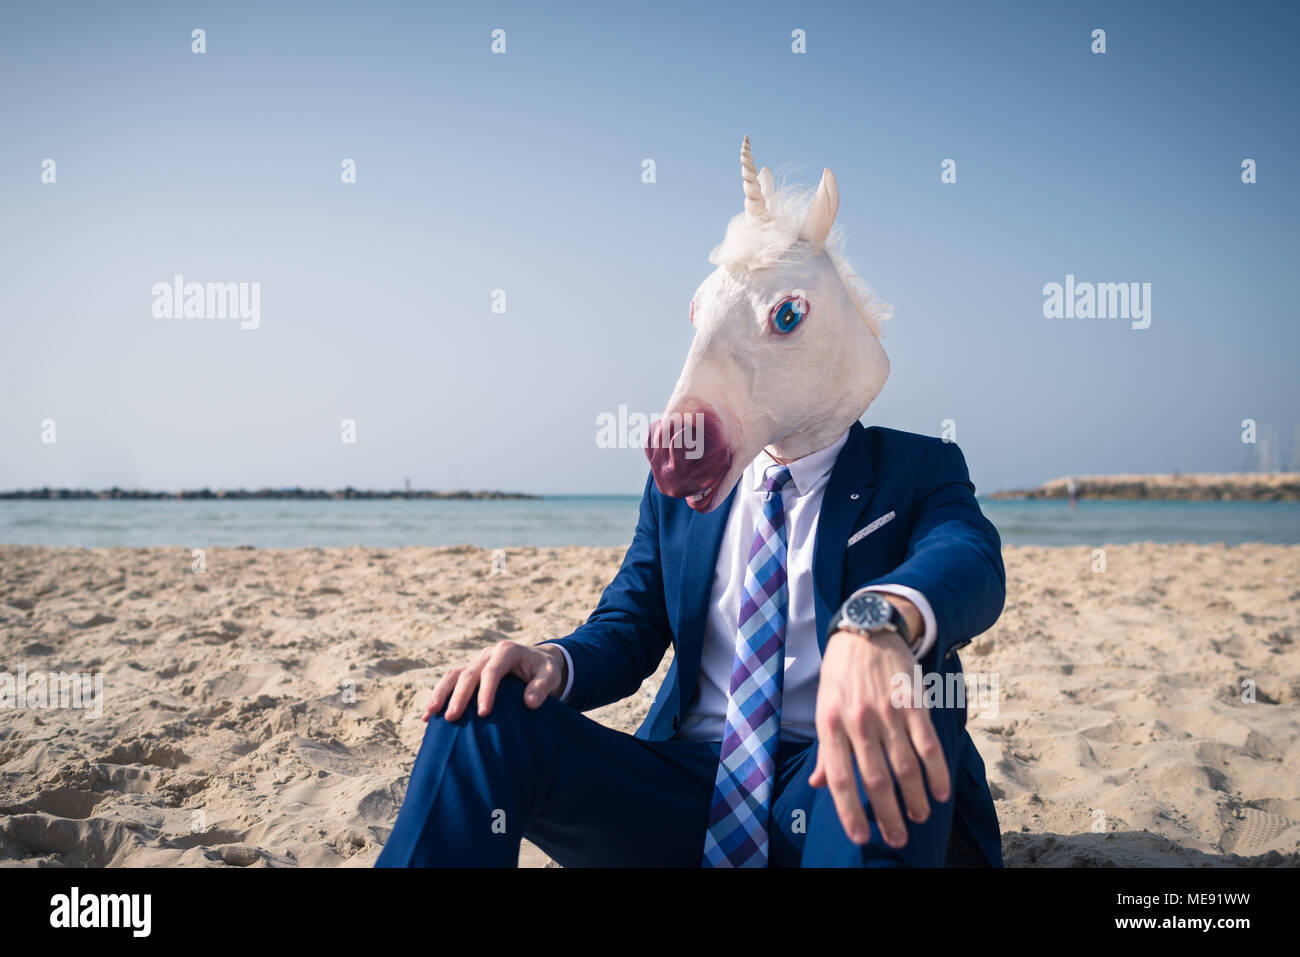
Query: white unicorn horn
[[755, 205], [821, 214]]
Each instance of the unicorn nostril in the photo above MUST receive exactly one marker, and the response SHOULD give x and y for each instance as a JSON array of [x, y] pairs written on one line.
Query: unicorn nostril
[[688, 451]]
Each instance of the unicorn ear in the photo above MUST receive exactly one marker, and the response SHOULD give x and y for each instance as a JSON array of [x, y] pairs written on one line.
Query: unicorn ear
[[767, 184], [821, 214]]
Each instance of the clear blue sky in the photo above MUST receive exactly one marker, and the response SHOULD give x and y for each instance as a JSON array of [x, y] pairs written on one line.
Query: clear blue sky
[[522, 172]]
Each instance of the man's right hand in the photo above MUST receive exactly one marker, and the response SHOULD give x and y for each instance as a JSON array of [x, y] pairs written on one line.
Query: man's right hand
[[540, 667]]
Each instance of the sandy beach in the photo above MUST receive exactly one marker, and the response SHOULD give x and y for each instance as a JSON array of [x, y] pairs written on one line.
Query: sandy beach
[[265, 712]]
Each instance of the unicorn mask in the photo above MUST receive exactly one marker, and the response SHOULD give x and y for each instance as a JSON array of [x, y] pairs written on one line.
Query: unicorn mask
[[786, 353]]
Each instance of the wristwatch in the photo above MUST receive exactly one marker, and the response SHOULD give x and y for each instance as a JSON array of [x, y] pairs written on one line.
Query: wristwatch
[[867, 613]]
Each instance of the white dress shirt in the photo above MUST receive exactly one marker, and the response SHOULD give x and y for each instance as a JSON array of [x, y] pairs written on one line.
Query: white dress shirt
[[705, 717]]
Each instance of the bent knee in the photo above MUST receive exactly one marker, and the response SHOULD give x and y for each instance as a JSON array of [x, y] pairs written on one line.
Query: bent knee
[[507, 706]]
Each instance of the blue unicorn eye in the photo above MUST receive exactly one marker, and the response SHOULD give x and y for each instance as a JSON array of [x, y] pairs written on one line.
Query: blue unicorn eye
[[788, 313]]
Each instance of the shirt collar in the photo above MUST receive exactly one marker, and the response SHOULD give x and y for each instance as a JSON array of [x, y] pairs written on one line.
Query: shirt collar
[[805, 472]]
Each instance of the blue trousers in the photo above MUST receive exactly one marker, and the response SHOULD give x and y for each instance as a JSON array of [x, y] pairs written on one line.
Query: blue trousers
[[589, 796]]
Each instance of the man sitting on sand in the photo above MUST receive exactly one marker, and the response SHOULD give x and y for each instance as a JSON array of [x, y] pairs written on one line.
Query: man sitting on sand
[[800, 565]]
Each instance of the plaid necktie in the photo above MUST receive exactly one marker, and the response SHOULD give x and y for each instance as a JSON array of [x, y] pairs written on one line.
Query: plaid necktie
[[742, 791]]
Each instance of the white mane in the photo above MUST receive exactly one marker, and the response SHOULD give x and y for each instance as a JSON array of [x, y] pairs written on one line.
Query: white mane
[[757, 244]]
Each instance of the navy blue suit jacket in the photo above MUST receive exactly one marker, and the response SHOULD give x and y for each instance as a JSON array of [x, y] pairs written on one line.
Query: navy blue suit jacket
[[938, 542]]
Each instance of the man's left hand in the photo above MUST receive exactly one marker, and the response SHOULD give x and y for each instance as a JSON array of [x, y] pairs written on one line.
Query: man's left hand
[[857, 719]]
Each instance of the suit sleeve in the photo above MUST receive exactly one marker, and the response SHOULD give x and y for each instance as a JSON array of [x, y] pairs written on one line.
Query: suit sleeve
[[625, 638], [954, 554]]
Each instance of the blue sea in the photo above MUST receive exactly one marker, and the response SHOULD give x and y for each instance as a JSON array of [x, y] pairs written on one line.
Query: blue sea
[[572, 520]]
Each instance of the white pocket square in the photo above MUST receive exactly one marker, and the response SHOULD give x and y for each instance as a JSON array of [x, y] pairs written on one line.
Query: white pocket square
[[862, 533]]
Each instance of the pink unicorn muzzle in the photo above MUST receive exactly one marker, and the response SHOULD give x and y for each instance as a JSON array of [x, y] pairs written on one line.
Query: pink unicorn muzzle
[[689, 454]]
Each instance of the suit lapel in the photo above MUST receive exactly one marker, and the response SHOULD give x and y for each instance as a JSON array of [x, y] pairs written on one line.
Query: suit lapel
[[848, 492], [699, 559]]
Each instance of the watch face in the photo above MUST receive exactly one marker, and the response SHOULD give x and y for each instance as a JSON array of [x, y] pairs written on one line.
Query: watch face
[[868, 611]]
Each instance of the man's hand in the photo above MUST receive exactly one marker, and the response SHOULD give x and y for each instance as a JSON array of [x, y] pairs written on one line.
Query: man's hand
[[540, 667], [857, 718]]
